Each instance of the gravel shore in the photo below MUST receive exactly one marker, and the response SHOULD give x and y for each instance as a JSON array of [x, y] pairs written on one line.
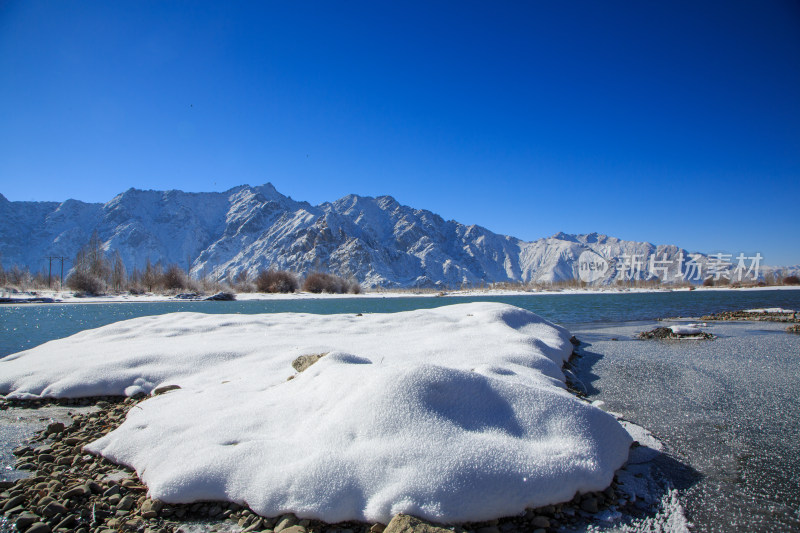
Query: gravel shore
[[753, 315]]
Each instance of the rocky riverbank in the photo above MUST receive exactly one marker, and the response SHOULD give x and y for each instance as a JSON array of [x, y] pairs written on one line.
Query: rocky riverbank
[[782, 315], [71, 490]]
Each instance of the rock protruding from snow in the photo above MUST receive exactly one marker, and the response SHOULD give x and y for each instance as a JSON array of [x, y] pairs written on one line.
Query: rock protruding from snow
[[458, 413], [403, 523], [304, 361]]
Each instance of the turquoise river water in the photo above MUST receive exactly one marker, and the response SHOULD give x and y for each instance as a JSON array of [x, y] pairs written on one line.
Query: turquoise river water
[[26, 326]]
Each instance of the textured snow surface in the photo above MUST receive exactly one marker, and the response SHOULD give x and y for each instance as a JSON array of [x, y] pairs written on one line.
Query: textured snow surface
[[453, 414]]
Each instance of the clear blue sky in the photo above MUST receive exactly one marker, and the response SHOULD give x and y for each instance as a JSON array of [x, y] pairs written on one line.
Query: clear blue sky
[[671, 122]]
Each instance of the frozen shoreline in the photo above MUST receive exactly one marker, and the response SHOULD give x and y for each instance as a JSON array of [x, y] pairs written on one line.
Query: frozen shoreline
[[724, 408], [68, 297]]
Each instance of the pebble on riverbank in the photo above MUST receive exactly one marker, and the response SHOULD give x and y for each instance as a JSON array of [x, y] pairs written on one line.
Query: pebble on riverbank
[[70, 490]]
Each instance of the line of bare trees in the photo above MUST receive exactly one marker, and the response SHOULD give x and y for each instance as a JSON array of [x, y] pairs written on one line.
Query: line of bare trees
[[282, 281], [94, 272]]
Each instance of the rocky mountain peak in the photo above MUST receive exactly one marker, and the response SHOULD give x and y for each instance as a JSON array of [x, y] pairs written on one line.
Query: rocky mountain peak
[[377, 240]]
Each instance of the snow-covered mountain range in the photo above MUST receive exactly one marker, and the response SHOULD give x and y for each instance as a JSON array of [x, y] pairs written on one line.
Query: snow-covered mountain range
[[376, 240]]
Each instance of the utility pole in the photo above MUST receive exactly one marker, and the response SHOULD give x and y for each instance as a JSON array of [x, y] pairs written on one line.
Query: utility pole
[[50, 259]]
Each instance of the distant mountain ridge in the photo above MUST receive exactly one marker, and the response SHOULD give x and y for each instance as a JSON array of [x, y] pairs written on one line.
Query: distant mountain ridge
[[376, 240]]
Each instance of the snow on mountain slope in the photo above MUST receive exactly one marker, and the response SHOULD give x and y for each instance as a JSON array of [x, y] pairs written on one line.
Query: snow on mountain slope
[[30, 231], [376, 240]]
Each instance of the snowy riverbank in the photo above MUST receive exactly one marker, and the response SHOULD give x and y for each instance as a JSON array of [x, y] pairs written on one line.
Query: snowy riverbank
[[71, 297]]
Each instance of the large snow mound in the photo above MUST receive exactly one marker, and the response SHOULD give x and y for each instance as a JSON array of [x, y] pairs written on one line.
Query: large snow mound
[[452, 414]]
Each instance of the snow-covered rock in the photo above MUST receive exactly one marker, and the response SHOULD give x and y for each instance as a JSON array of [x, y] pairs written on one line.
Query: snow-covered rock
[[452, 414], [687, 329]]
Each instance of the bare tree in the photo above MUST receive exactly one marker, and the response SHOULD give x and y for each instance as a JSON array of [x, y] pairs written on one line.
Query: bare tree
[[321, 282], [150, 277], [19, 276], [91, 259], [174, 278], [118, 272], [276, 281]]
